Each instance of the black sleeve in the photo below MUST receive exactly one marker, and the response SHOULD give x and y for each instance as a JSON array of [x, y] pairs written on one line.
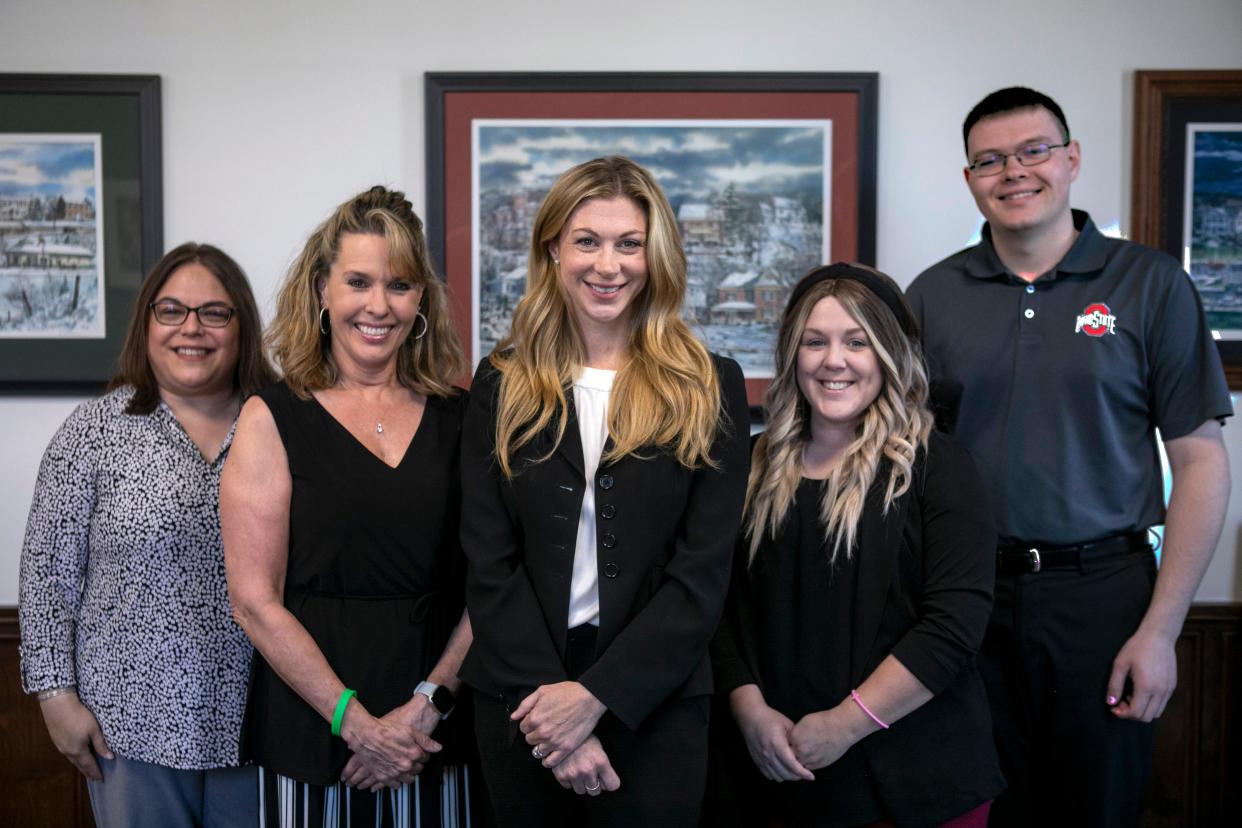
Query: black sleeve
[[511, 643], [959, 567], [735, 646]]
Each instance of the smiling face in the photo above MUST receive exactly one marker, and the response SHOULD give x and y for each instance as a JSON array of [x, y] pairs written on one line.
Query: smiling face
[[372, 310], [838, 372], [603, 264], [190, 359], [1022, 198]]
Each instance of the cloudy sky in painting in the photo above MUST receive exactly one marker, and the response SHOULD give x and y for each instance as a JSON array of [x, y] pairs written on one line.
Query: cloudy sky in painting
[[1218, 161], [47, 166], [690, 159]]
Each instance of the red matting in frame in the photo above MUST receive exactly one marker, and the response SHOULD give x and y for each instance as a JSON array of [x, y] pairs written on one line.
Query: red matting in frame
[[461, 108]]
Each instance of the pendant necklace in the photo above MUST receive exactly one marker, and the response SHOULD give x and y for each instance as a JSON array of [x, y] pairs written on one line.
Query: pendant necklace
[[379, 424]]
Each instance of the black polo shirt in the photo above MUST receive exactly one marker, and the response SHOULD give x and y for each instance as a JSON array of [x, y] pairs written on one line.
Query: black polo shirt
[[1057, 387]]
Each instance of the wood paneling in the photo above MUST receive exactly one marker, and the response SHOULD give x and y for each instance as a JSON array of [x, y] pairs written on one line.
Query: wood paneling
[[1196, 780], [41, 789], [1196, 773]]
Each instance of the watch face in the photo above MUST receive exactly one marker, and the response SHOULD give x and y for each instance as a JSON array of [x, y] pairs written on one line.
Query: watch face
[[442, 700]]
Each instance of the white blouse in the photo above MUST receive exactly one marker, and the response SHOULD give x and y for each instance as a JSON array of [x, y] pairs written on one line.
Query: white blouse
[[591, 392]]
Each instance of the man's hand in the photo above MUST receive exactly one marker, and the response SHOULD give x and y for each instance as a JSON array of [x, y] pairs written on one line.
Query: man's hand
[[1150, 662]]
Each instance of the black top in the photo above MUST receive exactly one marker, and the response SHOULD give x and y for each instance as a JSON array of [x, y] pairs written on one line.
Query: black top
[[375, 574], [806, 663], [1090, 358], [664, 544], [919, 588]]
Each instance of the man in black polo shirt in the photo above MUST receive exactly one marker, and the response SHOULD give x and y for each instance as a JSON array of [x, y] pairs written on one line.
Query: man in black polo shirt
[[1055, 354]]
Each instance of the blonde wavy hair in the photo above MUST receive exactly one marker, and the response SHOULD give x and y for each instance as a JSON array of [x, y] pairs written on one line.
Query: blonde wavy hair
[[895, 426], [666, 395], [428, 364]]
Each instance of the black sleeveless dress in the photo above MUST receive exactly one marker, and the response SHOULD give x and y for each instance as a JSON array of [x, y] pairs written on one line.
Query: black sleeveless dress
[[375, 575]]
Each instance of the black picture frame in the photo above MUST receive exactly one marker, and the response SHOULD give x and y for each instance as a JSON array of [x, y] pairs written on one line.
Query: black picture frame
[[125, 111], [549, 94]]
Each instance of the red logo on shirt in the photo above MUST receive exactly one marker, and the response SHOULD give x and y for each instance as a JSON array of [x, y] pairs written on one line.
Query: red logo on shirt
[[1096, 320]]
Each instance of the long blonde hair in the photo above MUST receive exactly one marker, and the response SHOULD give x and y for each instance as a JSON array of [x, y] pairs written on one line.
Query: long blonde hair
[[428, 364], [666, 395], [894, 427]]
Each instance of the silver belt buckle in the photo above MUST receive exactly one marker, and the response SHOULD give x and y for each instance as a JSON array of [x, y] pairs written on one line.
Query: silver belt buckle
[[1036, 564]]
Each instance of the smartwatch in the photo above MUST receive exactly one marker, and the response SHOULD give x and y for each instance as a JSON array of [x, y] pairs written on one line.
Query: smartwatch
[[441, 697]]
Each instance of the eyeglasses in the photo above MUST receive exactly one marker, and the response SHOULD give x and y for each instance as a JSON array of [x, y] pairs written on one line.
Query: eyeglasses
[[168, 312], [1028, 156]]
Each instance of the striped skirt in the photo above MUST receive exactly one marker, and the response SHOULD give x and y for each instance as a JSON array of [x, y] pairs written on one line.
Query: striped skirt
[[437, 798]]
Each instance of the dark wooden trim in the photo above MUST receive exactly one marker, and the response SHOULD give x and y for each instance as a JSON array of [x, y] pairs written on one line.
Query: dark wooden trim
[[43, 789]]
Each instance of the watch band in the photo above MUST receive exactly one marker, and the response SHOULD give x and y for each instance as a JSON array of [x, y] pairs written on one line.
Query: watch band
[[441, 697]]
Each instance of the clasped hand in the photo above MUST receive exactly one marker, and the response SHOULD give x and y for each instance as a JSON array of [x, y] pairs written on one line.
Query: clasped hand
[[557, 718], [821, 738], [767, 734], [391, 750]]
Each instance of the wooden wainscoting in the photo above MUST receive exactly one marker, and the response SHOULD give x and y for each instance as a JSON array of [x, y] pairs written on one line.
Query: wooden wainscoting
[[1197, 778], [41, 789], [1197, 772]]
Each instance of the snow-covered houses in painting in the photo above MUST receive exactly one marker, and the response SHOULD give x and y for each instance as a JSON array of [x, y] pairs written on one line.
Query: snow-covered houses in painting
[[50, 250]]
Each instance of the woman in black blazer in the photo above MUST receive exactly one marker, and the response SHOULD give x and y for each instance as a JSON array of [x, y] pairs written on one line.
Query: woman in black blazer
[[604, 462], [863, 581]]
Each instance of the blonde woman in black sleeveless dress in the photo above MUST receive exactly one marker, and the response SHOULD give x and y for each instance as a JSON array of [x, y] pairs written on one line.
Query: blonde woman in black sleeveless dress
[[340, 509]]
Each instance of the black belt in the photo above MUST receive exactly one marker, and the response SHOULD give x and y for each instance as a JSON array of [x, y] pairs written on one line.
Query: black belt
[[1023, 558]]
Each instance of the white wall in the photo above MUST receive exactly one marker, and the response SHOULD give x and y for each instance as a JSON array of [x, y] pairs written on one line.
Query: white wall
[[276, 111]]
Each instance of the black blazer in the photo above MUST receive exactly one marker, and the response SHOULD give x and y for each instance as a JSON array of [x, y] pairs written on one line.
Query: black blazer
[[665, 544], [925, 579]]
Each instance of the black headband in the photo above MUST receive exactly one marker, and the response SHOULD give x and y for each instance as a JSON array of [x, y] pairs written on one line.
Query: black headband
[[882, 290]]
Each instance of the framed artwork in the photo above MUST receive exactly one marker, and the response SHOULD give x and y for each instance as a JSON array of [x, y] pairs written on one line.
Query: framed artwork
[[769, 175], [81, 222], [1188, 188]]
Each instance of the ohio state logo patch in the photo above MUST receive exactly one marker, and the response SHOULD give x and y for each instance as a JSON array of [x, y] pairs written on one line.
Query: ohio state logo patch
[[1096, 320]]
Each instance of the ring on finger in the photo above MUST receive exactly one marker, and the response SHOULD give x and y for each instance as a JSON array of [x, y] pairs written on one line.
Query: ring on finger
[[536, 752], [593, 789]]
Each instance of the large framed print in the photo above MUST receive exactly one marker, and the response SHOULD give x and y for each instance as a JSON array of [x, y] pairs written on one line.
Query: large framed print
[[1188, 188], [81, 222], [769, 175]]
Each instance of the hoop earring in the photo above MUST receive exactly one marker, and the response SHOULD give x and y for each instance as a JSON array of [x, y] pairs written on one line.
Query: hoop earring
[[323, 317], [423, 332]]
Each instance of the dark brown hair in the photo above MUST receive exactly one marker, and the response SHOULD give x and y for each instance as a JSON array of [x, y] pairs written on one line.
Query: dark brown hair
[[1012, 99], [133, 368]]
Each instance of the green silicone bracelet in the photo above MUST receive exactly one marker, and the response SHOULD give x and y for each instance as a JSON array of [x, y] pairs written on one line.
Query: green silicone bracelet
[[339, 715]]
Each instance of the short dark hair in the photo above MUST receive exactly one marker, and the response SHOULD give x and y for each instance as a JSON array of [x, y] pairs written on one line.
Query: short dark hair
[[1010, 99], [134, 368]]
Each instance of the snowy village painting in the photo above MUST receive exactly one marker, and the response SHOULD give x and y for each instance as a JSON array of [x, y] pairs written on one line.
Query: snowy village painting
[[1213, 222], [752, 199], [51, 237]]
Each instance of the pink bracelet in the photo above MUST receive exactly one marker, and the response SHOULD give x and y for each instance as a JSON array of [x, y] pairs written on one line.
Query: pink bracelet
[[867, 710]]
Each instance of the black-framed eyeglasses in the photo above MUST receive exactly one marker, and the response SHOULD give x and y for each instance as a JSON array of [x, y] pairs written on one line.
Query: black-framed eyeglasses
[[169, 312], [1028, 156]]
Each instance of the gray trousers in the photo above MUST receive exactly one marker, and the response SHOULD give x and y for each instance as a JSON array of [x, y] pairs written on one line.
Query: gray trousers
[[138, 794]]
